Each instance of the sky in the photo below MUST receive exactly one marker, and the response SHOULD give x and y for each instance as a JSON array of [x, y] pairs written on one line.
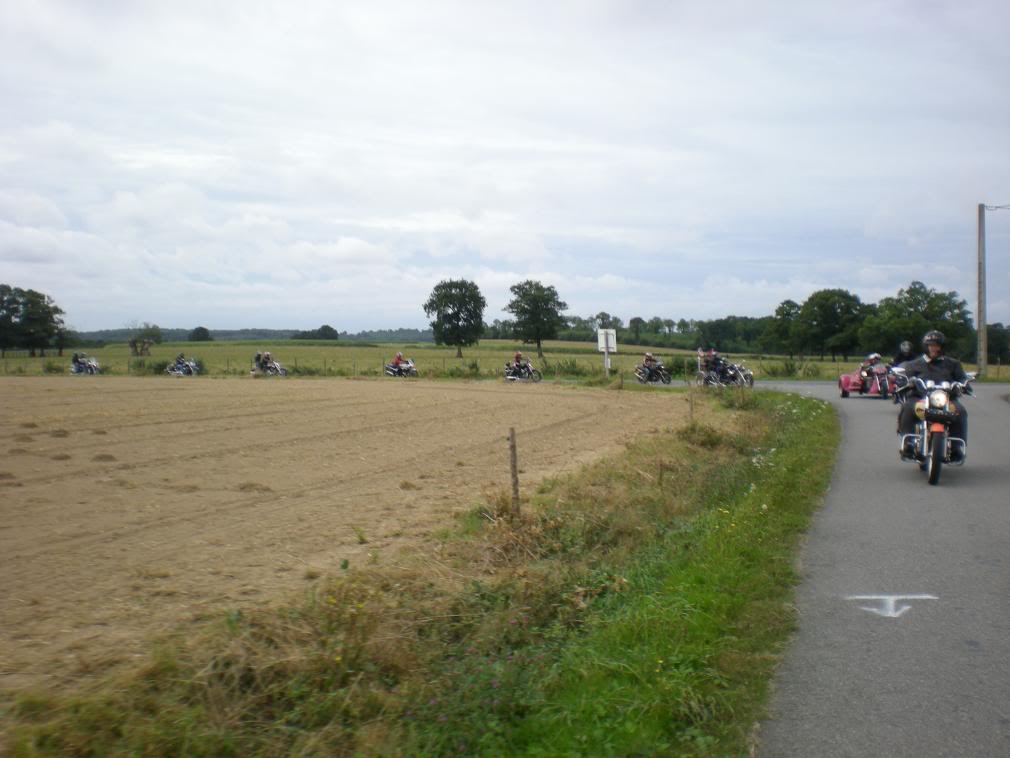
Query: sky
[[251, 163]]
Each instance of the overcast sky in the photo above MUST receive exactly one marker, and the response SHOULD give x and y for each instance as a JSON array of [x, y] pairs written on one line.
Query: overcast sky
[[287, 164]]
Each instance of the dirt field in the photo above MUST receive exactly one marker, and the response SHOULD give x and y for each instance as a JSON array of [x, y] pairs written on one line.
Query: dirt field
[[128, 506]]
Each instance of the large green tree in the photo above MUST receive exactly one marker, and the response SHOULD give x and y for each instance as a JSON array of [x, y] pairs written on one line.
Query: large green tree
[[828, 321], [777, 334], [635, 326], [200, 334], [456, 309], [537, 310], [913, 312], [28, 319], [10, 309]]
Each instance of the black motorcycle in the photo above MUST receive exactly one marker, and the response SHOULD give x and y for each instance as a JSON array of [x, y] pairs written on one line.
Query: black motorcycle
[[522, 373], [658, 374], [931, 443]]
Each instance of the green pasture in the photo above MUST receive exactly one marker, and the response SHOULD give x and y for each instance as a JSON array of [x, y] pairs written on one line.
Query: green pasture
[[482, 361]]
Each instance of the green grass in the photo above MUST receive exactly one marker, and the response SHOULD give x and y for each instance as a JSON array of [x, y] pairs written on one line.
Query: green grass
[[635, 608]]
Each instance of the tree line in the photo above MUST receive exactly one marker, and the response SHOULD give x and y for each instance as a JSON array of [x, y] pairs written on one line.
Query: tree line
[[831, 323]]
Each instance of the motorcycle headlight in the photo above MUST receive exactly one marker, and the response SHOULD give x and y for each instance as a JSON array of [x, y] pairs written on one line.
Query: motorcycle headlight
[[938, 399]]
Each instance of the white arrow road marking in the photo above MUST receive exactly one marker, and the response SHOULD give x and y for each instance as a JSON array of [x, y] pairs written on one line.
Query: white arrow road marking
[[889, 607]]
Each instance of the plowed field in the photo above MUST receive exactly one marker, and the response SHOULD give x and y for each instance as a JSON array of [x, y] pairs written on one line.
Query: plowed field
[[131, 505]]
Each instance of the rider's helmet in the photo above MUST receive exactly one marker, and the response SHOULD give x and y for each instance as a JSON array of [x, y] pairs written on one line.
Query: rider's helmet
[[906, 347], [399, 355], [933, 337], [873, 357], [648, 355]]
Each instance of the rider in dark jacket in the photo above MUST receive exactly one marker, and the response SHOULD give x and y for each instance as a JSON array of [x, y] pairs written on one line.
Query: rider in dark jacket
[[933, 364], [904, 354]]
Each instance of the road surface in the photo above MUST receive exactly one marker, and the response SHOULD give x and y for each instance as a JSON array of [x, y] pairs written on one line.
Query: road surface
[[903, 647]]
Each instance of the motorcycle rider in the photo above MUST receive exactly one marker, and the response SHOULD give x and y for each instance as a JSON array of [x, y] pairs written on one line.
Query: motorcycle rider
[[873, 359], [78, 364], [650, 364], [932, 364], [398, 362], [712, 361], [904, 354]]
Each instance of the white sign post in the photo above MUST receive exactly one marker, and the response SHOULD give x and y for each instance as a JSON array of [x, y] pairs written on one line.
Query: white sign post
[[606, 340]]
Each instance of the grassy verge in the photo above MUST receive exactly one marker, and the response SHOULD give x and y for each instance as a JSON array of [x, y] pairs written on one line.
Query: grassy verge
[[635, 608]]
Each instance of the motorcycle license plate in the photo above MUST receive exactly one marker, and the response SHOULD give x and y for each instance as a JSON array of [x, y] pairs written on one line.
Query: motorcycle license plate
[[940, 415]]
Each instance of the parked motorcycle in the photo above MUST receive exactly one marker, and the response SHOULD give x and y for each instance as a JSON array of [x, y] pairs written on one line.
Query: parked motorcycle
[[523, 373], [85, 365], [407, 368], [182, 368], [931, 442], [659, 374]]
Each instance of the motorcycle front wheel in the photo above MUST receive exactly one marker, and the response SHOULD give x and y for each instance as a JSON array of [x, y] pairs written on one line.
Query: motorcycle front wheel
[[934, 461], [535, 375]]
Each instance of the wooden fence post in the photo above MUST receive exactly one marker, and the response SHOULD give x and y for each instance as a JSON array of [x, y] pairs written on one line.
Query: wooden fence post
[[514, 460]]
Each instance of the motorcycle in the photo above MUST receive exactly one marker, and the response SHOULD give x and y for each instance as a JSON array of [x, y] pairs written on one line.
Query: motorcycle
[[931, 443], [659, 374], [723, 374], [407, 368], [877, 380], [273, 368], [182, 368], [85, 365], [739, 375], [523, 373], [266, 365]]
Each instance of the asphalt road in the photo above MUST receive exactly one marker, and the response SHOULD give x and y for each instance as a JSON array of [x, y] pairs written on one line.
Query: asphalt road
[[926, 673]]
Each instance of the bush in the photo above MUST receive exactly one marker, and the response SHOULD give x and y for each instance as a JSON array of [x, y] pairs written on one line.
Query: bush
[[304, 370], [52, 367], [145, 366], [571, 367]]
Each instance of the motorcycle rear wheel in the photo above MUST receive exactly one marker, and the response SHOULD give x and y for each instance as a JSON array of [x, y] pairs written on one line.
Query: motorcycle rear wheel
[[937, 451]]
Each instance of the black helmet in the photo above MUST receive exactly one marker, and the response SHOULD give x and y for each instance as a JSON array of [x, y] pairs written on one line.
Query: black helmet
[[933, 337]]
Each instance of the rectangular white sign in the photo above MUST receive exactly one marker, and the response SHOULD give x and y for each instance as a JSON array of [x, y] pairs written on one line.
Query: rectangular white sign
[[606, 340]]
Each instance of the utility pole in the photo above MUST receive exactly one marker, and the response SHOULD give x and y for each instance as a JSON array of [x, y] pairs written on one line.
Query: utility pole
[[983, 344]]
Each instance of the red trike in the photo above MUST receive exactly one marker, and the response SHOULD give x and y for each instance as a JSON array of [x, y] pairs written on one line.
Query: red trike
[[873, 378]]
